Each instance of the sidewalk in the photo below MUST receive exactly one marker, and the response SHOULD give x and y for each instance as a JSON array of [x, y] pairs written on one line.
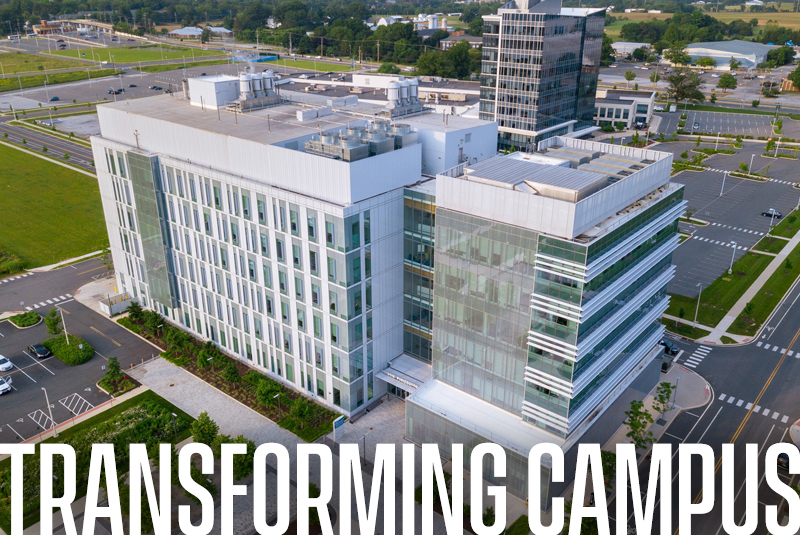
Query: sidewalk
[[90, 294], [722, 327], [65, 262]]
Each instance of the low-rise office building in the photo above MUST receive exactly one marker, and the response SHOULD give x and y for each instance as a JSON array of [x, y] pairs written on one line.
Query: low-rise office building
[[614, 106]]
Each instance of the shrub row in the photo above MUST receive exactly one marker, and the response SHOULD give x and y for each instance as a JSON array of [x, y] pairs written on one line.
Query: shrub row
[[25, 319]]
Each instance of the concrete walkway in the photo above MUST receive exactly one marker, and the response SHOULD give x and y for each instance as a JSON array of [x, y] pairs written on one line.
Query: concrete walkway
[[92, 293], [65, 262], [722, 327]]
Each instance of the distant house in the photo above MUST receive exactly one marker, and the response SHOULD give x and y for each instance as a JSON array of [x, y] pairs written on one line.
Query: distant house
[[754, 3], [387, 21], [623, 48], [453, 40]]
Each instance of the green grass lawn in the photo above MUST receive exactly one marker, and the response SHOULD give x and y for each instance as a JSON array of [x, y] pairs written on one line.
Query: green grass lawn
[[50, 213], [769, 296], [685, 329], [137, 53], [309, 65], [768, 244], [723, 293], [36, 80], [787, 228], [18, 63], [727, 340], [176, 66]]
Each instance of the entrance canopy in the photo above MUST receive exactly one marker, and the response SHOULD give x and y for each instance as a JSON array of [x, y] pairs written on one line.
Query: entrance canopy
[[406, 373]]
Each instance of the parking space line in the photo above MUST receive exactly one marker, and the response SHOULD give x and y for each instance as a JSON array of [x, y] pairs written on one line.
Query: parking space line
[[15, 432], [41, 419], [105, 336], [25, 374], [39, 363]]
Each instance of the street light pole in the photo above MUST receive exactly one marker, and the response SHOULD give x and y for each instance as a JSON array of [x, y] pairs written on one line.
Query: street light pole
[[64, 323], [364, 438], [730, 269], [725, 174], [750, 169], [279, 404], [696, 310], [777, 146], [771, 219], [50, 409]]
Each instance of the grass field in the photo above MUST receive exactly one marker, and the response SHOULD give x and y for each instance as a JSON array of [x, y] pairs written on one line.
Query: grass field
[[309, 65], [684, 329], [18, 63], [176, 66], [768, 244], [137, 53], [50, 213], [721, 294], [36, 80], [787, 228], [769, 296]]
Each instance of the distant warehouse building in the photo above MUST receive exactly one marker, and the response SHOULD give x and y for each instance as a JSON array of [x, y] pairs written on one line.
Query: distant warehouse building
[[750, 54], [624, 48]]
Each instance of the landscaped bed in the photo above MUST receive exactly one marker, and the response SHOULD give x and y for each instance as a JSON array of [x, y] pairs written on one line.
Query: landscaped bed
[[75, 353], [146, 418], [26, 319], [788, 227], [684, 329], [761, 306], [718, 298], [296, 413]]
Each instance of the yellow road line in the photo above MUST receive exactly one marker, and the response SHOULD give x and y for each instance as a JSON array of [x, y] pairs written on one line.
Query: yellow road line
[[89, 270], [105, 336]]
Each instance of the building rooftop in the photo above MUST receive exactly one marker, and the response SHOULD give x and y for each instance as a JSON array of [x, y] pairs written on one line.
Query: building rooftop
[[465, 37], [622, 94], [734, 47]]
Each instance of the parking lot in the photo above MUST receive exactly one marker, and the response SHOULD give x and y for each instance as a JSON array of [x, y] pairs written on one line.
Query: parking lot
[[71, 390], [734, 217]]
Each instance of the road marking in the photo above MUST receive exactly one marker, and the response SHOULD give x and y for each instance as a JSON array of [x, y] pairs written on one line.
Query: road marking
[[766, 412], [49, 302], [89, 271], [784, 419], [15, 432], [75, 404], [775, 415], [35, 306], [69, 295], [774, 348], [673, 436], [731, 399], [41, 419], [39, 363], [61, 297], [25, 374], [757, 408], [739, 403], [106, 336], [722, 397]]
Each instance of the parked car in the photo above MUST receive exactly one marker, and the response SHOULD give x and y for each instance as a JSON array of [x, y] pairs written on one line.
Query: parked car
[[5, 364], [132, 85], [772, 213], [110, 91], [131, 39], [715, 75], [613, 65], [669, 347], [39, 351], [5, 385], [783, 461], [53, 99], [696, 126], [203, 74], [60, 41], [156, 88], [658, 107]]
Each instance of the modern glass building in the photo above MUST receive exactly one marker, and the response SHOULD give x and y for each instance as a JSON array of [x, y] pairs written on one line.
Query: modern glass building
[[539, 71], [550, 279]]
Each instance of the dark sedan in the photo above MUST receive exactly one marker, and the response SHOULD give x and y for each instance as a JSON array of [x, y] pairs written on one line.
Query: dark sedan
[[39, 351]]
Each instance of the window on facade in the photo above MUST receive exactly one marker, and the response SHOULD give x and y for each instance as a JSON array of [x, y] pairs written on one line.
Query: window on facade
[[334, 334], [217, 198], [285, 312], [282, 284], [267, 277], [270, 309], [246, 207], [331, 269], [264, 245], [329, 239], [367, 236], [318, 327], [294, 224], [262, 213], [251, 264], [298, 288], [301, 320], [235, 233], [296, 256], [357, 302], [334, 300], [279, 250], [312, 228], [313, 262], [315, 295]]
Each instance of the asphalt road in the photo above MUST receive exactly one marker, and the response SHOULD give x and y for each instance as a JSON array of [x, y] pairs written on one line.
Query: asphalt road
[[79, 155], [71, 389], [754, 401]]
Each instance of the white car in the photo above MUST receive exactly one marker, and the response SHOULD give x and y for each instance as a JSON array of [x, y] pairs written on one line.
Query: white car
[[762, 77], [715, 75], [5, 385], [613, 65], [5, 364], [658, 108]]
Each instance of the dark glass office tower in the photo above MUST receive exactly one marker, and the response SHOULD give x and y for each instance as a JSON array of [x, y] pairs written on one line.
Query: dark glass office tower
[[539, 71]]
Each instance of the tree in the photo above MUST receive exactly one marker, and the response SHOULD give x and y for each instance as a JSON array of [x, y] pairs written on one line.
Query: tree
[[388, 68], [713, 98], [488, 516], [794, 77], [655, 77], [755, 103], [706, 62], [727, 81], [231, 373], [301, 410], [135, 312], [640, 54], [243, 463], [681, 315], [53, 322], [204, 429], [266, 392], [736, 64], [684, 85], [205, 37], [677, 54], [662, 397], [105, 257], [638, 422], [113, 370], [629, 77]]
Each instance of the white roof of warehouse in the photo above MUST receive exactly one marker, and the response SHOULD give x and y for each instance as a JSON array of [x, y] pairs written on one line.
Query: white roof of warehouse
[[732, 47]]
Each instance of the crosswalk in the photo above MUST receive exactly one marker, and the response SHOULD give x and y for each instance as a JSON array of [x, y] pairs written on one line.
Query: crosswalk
[[51, 301], [718, 242], [717, 170], [697, 357], [748, 231], [9, 279], [787, 182], [778, 349], [758, 409]]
